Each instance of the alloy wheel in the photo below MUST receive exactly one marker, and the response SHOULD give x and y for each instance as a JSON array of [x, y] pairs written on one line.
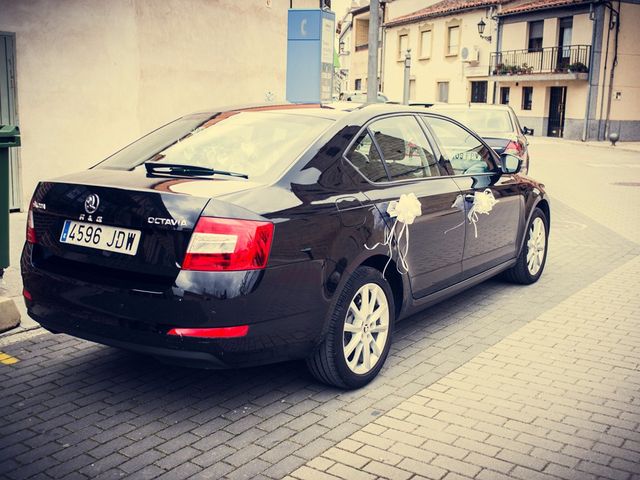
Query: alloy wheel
[[536, 246], [366, 328]]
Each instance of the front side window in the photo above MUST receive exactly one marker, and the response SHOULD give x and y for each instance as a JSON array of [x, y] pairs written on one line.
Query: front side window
[[527, 98], [404, 148], [466, 154]]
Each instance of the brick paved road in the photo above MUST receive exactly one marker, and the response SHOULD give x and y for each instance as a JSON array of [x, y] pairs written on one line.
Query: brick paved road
[[559, 398], [72, 409]]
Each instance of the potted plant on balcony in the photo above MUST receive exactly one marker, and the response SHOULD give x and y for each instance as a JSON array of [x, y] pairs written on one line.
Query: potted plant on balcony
[[577, 67]]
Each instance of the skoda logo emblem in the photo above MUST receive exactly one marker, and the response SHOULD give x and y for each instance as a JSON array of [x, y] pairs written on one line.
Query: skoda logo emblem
[[91, 203]]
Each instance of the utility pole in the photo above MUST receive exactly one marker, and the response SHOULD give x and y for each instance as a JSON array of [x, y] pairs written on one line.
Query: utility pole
[[407, 73], [372, 70]]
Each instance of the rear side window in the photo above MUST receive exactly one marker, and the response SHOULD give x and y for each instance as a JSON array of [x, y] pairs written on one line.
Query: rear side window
[[364, 156], [404, 147], [465, 152]]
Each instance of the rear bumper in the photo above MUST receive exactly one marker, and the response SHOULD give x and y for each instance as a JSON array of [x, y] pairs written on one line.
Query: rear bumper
[[284, 307]]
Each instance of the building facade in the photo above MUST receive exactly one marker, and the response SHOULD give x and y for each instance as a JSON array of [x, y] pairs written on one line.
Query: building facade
[[449, 59], [86, 77], [353, 48], [567, 67]]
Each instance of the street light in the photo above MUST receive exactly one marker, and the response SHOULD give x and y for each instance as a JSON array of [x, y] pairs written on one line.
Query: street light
[[481, 26]]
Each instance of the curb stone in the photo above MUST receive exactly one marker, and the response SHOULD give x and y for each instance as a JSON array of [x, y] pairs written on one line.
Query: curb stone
[[9, 314]]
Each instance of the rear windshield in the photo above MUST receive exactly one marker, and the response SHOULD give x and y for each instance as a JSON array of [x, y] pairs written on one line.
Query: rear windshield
[[482, 121], [258, 144]]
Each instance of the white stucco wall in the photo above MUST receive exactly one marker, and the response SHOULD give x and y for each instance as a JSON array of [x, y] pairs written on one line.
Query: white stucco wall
[[94, 75], [439, 67]]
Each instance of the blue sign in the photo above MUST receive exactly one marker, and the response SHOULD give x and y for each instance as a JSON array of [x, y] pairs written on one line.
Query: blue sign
[[310, 42]]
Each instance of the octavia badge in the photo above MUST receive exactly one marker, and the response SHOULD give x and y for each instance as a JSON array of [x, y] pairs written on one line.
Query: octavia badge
[[91, 203]]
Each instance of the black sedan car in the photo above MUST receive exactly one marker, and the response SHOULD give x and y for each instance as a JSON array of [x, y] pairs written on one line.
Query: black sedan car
[[268, 233], [498, 125]]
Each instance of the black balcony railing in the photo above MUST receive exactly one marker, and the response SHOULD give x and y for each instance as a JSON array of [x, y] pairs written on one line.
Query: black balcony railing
[[569, 59]]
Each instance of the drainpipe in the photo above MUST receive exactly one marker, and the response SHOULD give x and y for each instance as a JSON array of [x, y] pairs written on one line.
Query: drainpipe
[[498, 42], [604, 74], [614, 63], [383, 5], [585, 125]]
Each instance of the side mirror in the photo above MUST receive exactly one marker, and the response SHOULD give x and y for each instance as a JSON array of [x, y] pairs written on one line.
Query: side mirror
[[510, 163], [527, 131]]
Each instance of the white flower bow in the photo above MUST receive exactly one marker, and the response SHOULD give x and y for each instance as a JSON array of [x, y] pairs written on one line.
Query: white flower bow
[[405, 210], [483, 203]]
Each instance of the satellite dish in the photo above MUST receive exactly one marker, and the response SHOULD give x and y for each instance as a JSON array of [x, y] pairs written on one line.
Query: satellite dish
[[464, 53]]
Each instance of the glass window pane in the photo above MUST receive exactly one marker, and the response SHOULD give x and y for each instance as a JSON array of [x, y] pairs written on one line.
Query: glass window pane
[[527, 98], [443, 92], [454, 34], [464, 151], [403, 45], [364, 156], [504, 95], [404, 147], [425, 44], [483, 122], [259, 144]]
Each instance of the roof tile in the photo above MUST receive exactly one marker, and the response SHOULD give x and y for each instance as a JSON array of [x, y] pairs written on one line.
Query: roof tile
[[539, 5], [442, 8]]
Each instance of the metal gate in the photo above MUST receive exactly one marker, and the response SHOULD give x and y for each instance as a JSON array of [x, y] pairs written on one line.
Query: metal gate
[[9, 112]]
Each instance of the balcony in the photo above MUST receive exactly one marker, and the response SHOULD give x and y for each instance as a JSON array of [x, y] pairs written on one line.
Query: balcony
[[551, 63]]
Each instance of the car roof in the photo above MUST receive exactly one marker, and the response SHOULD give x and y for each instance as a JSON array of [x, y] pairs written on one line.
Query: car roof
[[330, 110], [467, 106]]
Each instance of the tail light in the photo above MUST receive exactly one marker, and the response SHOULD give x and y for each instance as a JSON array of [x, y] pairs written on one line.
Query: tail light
[[31, 228], [228, 244], [515, 148]]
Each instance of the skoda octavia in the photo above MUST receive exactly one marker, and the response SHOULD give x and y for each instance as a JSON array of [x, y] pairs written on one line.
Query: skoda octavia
[[268, 233]]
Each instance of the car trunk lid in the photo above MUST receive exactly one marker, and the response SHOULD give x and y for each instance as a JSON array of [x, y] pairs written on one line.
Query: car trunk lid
[[164, 210]]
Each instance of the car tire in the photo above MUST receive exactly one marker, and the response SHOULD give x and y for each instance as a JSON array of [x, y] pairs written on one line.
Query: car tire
[[357, 343], [533, 256]]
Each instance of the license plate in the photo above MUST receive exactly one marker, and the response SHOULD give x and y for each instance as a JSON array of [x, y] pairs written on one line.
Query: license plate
[[100, 237]]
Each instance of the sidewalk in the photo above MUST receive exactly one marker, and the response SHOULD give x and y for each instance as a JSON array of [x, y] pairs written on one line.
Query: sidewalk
[[625, 146], [556, 399], [11, 283]]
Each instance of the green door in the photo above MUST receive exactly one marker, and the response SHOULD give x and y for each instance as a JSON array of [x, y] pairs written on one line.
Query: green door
[[9, 112]]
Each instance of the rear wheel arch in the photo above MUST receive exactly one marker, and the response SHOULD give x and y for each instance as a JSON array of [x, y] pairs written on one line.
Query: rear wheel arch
[[391, 274]]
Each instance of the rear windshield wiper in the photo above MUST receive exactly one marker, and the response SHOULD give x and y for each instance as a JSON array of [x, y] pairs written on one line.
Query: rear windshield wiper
[[187, 170]]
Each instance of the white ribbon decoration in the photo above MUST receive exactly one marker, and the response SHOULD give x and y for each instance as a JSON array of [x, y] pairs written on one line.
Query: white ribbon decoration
[[405, 211], [483, 203]]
